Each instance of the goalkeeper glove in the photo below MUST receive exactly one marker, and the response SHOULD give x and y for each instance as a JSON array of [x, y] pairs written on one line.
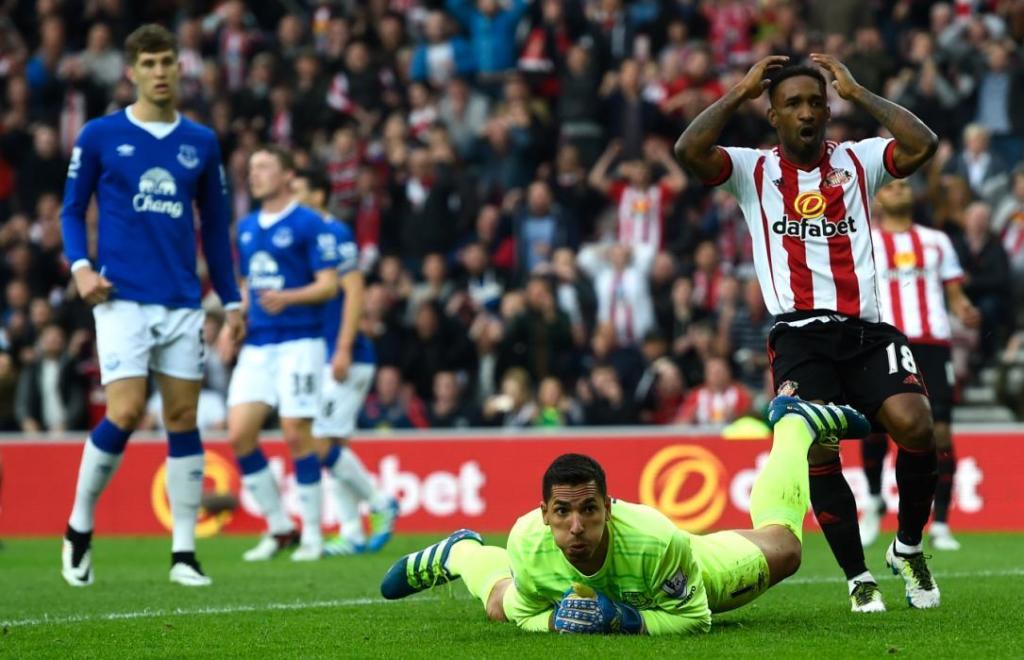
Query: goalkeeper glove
[[583, 610]]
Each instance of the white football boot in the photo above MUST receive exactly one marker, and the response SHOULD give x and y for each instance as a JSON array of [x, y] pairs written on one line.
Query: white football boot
[[271, 545], [866, 597], [189, 576], [871, 520], [922, 592], [76, 575], [308, 552]]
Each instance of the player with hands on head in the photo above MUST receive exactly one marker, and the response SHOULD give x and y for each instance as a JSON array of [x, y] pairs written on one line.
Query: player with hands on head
[[585, 563], [807, 204], [148, 168]]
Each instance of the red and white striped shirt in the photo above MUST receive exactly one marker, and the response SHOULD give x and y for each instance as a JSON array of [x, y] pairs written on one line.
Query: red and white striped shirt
[[811, 226], [641, 214], [913, 267], [705, 406]]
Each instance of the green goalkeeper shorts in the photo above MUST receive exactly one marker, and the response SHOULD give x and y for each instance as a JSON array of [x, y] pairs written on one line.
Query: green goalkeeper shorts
[[735, 571]]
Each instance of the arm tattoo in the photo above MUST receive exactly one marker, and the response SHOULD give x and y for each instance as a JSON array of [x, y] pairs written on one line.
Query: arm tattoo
[[912, 134]]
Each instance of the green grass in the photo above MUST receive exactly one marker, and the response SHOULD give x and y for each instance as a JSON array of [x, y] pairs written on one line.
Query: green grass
[[332, 609]]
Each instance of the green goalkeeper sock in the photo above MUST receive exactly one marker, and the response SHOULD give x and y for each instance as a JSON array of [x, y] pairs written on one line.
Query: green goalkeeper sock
[[479, 566], [781, 493]]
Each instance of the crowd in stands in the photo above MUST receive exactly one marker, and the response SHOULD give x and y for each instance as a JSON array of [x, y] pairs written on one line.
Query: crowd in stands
[[534, 255]]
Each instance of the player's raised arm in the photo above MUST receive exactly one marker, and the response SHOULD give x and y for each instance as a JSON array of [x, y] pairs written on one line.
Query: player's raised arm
[[915, 142], [696, 149]]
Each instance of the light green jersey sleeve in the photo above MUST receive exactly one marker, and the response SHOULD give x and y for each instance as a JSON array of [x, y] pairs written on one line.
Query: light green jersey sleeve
[[530, 559], [679, 599]]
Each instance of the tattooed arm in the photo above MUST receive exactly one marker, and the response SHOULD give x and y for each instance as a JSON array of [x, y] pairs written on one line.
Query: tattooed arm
[[915, 142], [695, 149]]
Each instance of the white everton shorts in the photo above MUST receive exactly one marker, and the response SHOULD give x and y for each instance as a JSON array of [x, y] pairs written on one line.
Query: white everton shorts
[[285, 376], [132, 338], [340, 402]]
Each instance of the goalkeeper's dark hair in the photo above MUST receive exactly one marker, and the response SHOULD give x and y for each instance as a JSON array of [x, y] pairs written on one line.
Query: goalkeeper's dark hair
[[573, 470], [776, 76]]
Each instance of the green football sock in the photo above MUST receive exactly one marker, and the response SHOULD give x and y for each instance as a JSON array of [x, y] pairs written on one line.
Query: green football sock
[[479, 566], [781, 493]]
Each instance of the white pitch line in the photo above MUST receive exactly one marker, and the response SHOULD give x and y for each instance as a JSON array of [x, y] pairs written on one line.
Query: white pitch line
[[1004, 572], [356, 602]]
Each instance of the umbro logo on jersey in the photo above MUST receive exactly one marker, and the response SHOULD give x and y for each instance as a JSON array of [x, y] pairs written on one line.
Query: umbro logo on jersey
[[126, 150]]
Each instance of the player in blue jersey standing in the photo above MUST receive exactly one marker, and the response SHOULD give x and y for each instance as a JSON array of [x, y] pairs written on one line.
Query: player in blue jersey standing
[[347, 378], [289, 263], [147, 165]]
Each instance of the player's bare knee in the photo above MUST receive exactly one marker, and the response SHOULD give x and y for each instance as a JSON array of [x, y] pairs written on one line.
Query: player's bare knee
[[180, 417], [915, 432], [126, 412], [495, 606]]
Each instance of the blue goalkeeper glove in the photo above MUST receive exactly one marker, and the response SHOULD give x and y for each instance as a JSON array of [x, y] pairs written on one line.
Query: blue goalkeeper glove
[[583, 610]]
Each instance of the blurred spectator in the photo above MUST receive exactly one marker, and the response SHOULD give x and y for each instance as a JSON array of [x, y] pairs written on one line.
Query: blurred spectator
[[579, 108], [605, 402], [554, 408], [389, 407], [441, 56], [1008, 222], [514, 406], [748, 336], [436, 286], [986, 276], [623, 296], [101, 59], [539, 339], [1000, 100], [719, 400], [482, 285], [575, 294], [631, 118], [51, 390], [435, 343], [8, 393], [492, 30], [665, 395], [446, 410], [540, 229], [641, 203], [984, 170], [43, 169], [464, 112], [422, 208]]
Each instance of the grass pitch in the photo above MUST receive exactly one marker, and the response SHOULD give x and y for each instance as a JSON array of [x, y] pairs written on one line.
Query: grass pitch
[[333, 609]]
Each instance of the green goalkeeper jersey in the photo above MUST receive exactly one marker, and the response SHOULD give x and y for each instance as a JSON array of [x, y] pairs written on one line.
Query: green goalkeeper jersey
[[650, 565]]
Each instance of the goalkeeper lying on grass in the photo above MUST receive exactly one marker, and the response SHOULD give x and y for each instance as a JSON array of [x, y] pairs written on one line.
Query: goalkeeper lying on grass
[[584, 563]]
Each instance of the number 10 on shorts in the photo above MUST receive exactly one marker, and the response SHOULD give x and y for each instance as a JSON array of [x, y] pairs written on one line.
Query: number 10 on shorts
[[906, 359]]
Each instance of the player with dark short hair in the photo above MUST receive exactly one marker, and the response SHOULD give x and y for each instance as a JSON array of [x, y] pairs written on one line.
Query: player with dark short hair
[[583, 562], [147, 167], [807, 205]]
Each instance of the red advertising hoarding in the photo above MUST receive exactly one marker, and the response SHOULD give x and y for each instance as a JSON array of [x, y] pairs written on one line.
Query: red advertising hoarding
[[486, 481]]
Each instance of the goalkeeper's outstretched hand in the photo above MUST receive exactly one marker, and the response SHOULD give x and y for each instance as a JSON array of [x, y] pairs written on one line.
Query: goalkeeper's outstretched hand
[[583, 610]]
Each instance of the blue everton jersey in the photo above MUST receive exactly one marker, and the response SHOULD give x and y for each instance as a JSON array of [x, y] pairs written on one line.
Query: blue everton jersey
[[334, 310], [145, 188], [285, 253]]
